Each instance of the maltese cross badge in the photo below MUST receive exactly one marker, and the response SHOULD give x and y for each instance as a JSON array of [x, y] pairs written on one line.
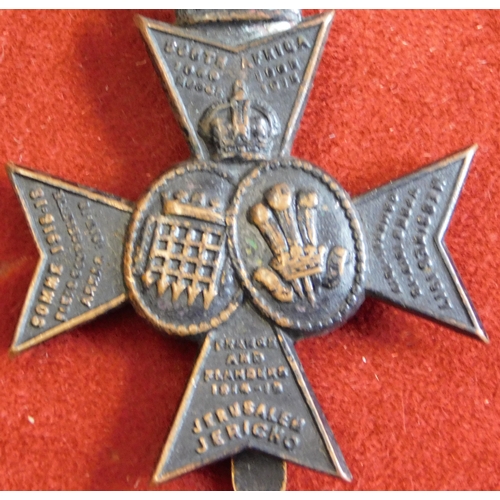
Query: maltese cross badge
[[243, 248]]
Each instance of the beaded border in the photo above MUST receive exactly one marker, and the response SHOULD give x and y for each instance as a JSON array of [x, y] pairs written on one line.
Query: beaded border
[[357, 289], [133, 229]]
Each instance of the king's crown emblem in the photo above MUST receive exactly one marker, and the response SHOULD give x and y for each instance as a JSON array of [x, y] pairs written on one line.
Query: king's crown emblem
[[239, 127]]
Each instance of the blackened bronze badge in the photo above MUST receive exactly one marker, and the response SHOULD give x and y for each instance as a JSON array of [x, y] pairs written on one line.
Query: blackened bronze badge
[[243, 248]]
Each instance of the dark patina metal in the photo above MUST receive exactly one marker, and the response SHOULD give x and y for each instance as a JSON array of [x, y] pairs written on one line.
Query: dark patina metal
[[243, 248]]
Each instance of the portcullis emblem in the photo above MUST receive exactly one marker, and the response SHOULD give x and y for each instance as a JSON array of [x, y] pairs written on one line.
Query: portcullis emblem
[[176, 265], [243, 248]]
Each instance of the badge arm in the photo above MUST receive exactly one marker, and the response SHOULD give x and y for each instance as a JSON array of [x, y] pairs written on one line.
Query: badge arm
[[410, 266], [307, 277]]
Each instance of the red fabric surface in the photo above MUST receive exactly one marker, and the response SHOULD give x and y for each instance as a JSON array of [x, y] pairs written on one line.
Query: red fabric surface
[[413, 405]]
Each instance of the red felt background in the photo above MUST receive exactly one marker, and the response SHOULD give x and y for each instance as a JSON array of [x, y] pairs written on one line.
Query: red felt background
[[395, 90]]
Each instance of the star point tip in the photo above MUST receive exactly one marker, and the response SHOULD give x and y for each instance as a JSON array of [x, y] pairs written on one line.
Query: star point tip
[[482, 335], [140, 21], [9, 166], [330, 14], [13, 352]]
